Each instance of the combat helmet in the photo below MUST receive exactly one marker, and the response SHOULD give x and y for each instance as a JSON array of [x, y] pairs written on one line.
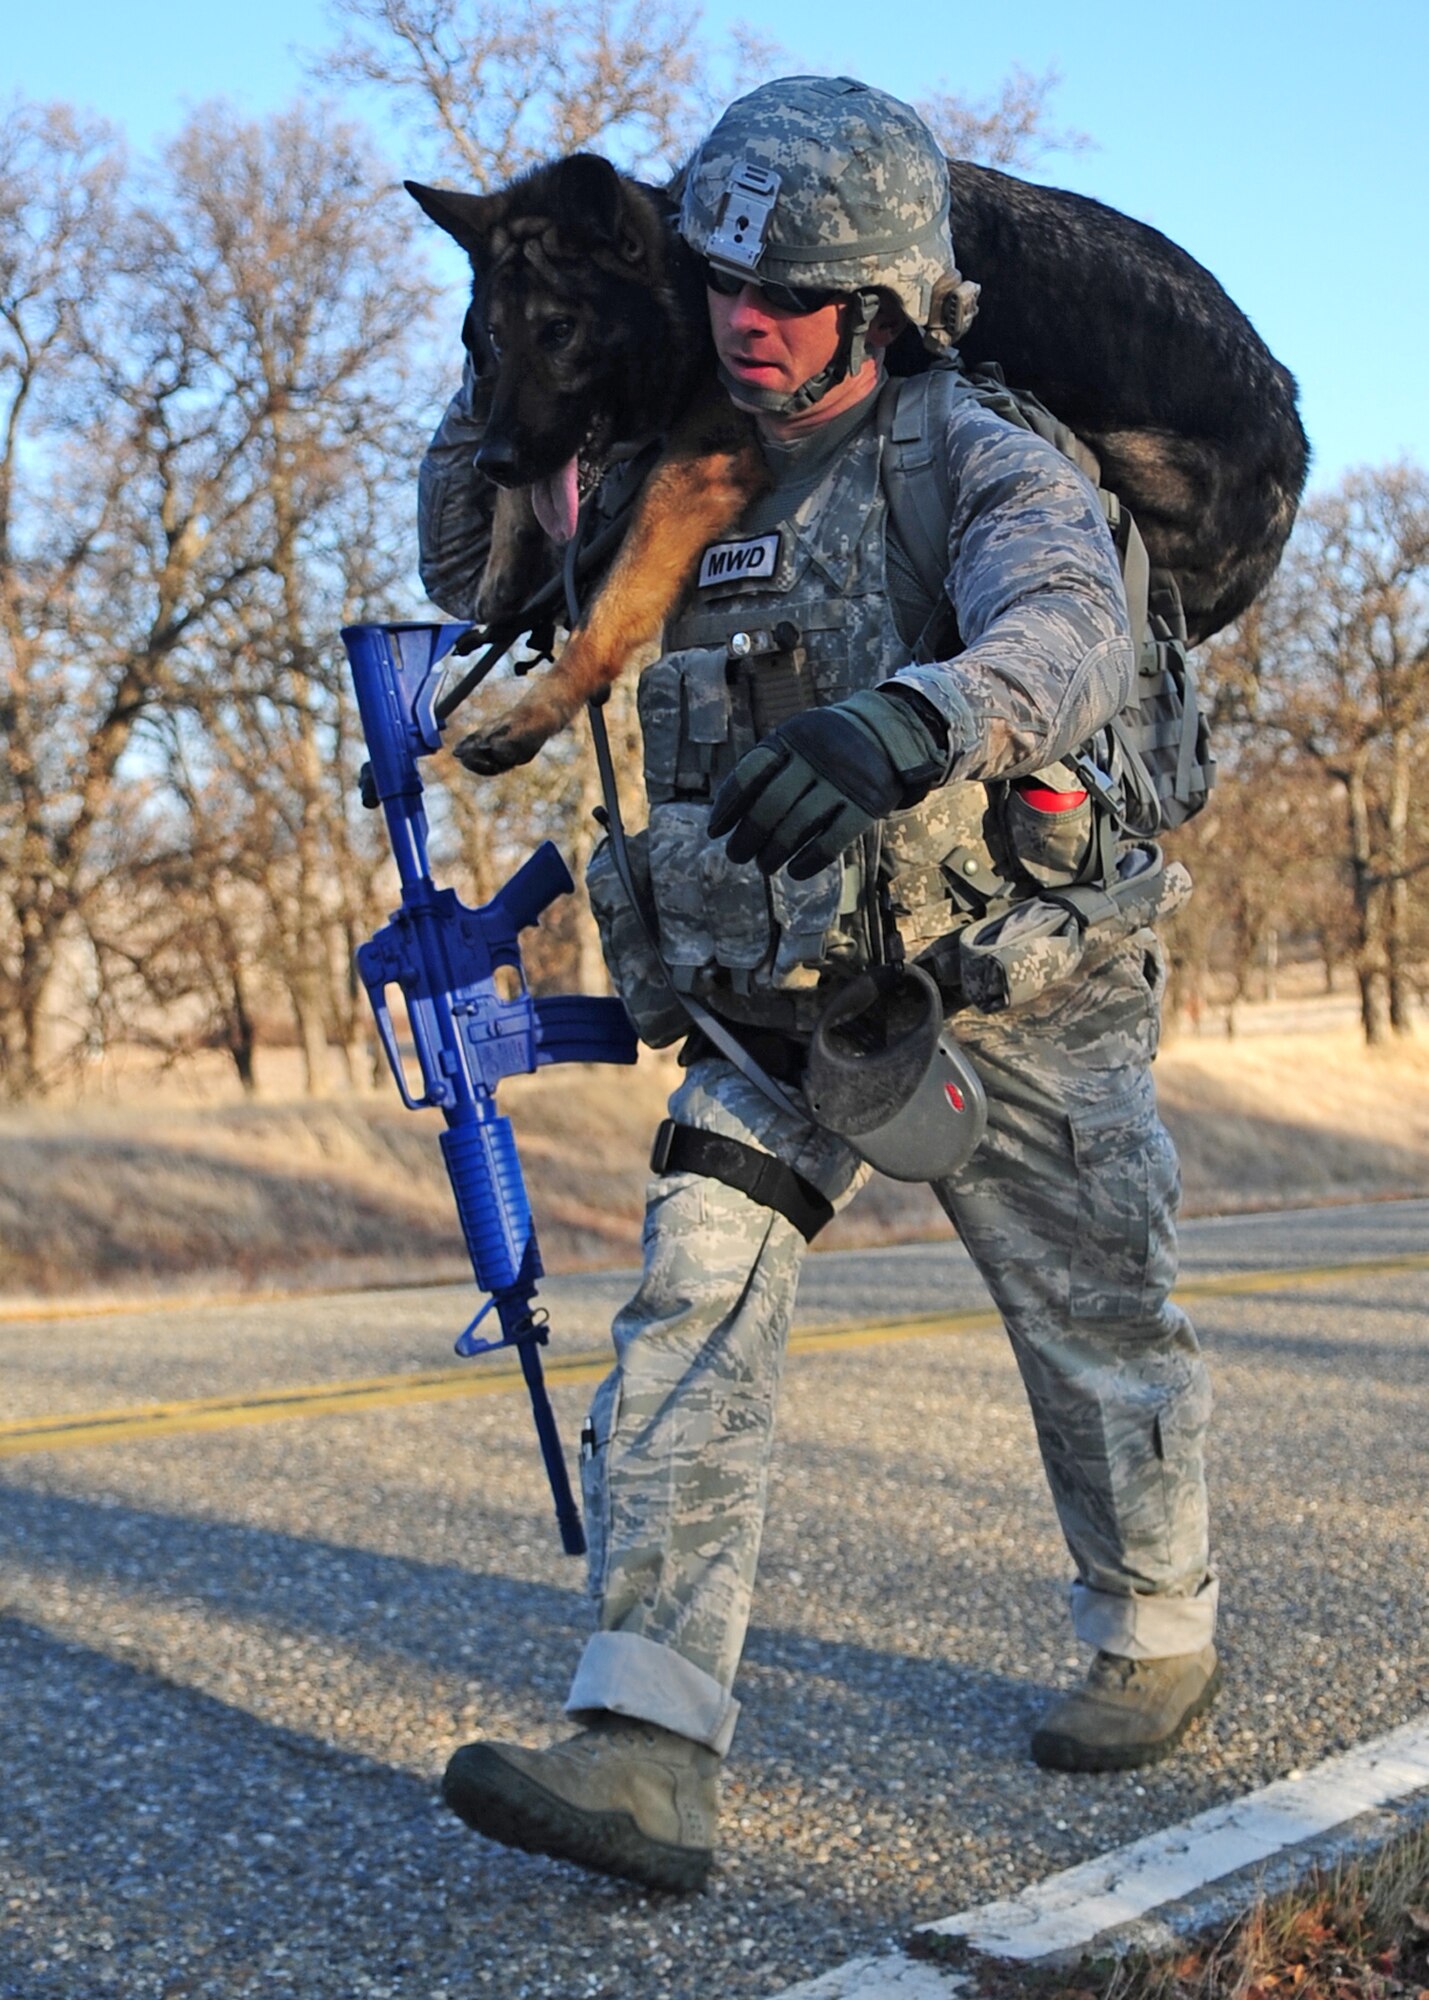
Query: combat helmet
[[826, 184]]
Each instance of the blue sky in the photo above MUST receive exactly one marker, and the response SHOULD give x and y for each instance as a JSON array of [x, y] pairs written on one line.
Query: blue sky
[[1286, 146]]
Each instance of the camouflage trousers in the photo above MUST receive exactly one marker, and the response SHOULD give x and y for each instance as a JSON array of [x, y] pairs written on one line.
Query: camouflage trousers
[[1067, 1209]]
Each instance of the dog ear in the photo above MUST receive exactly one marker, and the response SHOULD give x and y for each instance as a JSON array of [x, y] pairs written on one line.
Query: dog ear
[[469, 218], [592, 202]]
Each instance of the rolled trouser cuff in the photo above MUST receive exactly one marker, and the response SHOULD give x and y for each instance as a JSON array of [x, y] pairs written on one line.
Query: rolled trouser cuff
[[623, 1674], [1145, 1627]]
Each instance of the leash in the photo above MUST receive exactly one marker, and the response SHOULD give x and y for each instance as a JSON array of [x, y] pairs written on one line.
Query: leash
[[609, 816]]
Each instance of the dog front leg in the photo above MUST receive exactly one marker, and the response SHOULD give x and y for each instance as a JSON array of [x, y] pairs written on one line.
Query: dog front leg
[[698, 490]]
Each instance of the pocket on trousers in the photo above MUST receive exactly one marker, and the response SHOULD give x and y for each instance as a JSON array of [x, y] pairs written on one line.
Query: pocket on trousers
[[595, 1487], [1123, 1157]]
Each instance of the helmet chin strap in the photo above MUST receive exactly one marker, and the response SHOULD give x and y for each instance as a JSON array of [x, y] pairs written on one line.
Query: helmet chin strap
[[860, 311]]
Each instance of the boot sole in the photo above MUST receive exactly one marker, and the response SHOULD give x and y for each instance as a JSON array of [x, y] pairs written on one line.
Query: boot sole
[[1056, 1752], [501, 1802]]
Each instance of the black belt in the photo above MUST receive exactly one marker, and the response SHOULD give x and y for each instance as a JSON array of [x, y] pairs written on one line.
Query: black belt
[[681, 1149]]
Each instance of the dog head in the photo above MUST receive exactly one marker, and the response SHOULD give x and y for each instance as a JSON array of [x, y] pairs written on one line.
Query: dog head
[[584, 326]]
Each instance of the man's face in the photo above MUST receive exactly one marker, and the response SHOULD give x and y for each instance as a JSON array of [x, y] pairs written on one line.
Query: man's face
[[770, 349]]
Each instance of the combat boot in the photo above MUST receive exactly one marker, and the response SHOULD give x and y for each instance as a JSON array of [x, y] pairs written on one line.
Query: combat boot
[[622, 1797], [1129, 1712]]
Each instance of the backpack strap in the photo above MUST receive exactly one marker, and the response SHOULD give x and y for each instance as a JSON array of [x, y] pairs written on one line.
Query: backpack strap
[[918, 492], [1158, 749]]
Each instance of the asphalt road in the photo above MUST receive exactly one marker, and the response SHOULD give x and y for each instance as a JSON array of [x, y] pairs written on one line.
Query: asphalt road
[[233, 1661]]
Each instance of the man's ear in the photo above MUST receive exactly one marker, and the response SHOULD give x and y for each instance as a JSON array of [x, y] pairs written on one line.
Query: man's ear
[[468, 218], [592, 203]]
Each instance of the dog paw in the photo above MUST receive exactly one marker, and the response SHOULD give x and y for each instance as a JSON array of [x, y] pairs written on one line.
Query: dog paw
[[489, 752]]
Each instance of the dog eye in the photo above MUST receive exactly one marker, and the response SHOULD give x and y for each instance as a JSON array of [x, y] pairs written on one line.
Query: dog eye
[[557, 332]]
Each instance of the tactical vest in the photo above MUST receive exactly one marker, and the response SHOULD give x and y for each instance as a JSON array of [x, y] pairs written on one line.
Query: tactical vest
[[992, 886], [777, 622]]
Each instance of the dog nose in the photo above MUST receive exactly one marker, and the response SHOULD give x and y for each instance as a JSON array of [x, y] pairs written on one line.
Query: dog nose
[[496, 458]]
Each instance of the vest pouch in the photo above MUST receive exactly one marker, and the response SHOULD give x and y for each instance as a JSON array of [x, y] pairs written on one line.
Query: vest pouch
[[630, 958], [684, 708], [805, 913], [736, 905], [678, 839], [1044, 825], [925, 850], [712, 911], [1014, 955], [1166, 762]]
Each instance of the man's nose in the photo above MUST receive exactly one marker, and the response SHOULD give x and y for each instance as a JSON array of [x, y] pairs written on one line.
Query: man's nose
[[750, 312]]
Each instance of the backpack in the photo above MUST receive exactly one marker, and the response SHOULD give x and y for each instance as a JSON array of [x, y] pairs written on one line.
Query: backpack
[[1153, 766]]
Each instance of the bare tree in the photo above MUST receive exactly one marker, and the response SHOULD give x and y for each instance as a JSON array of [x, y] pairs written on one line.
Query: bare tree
[[1264, 859], [207, 464], [1012, 130], [175, 923], [308, 263], [120, 527], [503, 87], [1335, 660]]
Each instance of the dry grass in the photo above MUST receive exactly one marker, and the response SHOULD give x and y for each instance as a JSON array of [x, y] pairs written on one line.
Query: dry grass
[[128, 1198], [1263, 1121], [149, 1184], [1360, 1932]]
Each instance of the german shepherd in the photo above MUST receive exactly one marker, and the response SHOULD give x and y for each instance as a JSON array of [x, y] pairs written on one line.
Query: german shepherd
[[589, 333]]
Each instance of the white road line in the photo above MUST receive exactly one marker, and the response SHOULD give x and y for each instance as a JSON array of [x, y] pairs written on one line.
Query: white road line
[[1068, 1910], [892, 1977]]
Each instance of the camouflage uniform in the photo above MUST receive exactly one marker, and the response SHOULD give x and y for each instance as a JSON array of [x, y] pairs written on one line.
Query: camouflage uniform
[[1068, 1205]]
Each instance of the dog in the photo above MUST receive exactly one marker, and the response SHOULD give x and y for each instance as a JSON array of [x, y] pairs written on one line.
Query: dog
[[589, 333]]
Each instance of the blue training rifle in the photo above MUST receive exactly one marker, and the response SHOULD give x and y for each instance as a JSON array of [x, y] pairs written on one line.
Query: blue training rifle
[[444, 957]]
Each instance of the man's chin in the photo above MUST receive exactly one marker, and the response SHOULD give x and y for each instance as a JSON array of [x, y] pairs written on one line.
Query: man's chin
[[757, 378]]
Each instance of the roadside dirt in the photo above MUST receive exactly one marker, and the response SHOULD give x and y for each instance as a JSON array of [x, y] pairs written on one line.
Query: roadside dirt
[[180, 1188]]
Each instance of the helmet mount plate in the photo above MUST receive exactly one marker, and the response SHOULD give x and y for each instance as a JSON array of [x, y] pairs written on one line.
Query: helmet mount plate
[[737, 241]]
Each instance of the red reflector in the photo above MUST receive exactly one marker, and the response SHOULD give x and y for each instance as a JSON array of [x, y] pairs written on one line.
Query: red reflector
[[1043, 801], [955, 1097]]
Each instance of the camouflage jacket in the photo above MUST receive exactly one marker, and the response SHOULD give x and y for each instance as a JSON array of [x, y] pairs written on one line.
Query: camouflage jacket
[[1044, 659], [1033, 582]]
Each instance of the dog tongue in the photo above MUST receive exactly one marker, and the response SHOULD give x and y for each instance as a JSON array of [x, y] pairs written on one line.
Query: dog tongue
[[557, 502]]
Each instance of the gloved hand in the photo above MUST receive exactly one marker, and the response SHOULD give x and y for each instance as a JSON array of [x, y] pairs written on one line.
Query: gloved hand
[[820, 780]]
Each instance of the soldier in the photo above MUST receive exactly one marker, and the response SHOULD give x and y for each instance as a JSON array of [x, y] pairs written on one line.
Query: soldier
[[885, 774]]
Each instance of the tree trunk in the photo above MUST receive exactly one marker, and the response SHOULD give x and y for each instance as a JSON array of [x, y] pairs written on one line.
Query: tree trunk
[[1371, 911], [1374, 1006], [242, 1035], [310, 1018], [1399, 941]]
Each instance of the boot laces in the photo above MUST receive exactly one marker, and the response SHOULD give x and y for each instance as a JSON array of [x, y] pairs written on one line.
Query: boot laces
[[1113, 1670]]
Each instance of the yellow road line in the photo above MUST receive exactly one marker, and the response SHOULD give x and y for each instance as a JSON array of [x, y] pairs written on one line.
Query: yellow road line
[[71, 1432]]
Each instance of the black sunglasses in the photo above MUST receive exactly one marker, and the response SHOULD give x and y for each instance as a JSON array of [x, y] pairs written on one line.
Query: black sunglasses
[[783, 298]]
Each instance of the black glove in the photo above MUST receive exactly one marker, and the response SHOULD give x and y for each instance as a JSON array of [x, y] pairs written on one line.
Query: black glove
[[819, 781]]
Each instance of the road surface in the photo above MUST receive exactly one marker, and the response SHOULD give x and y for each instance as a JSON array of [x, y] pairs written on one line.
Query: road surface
[[238, 1643]]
